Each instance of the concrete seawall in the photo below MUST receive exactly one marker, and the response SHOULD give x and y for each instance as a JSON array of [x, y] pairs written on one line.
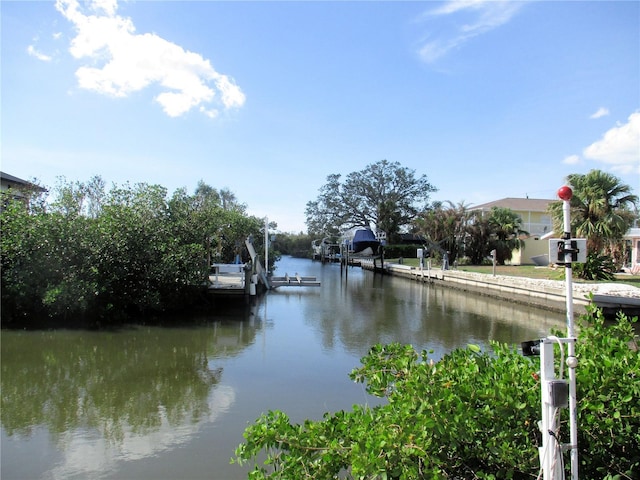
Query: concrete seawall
[[548, 294]]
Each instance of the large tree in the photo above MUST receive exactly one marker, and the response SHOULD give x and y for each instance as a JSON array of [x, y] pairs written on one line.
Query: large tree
[[384, 195], [602, 210]]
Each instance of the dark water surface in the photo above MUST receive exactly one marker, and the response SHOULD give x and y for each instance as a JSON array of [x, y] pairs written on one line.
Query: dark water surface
[[172, 403]]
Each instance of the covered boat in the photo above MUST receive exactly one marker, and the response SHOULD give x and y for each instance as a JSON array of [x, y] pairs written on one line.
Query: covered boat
[[361, 241]]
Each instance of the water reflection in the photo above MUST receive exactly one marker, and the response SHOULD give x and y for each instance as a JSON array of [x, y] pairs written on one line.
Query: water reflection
[[108, 397], [89, 452], [151, 402], [359, 309]]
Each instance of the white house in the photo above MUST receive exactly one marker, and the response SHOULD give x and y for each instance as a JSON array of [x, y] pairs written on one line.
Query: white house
[[536, 220], [633, 240]]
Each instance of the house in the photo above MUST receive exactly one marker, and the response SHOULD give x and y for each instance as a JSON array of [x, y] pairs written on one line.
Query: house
[[632, 239], [535, 219], [17, 187]]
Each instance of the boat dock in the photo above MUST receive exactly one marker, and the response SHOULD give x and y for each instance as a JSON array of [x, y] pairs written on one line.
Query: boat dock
[[326, 250], [248, 279], [231, 279], [295, 281]]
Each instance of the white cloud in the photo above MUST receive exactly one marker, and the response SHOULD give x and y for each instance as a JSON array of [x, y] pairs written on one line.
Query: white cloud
[[31, 50], [122, 62], [572, 160], [601, 112], [486, 15], [619, 146]]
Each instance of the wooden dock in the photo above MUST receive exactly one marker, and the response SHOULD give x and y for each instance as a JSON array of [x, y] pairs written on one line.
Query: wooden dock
[[231, 280]]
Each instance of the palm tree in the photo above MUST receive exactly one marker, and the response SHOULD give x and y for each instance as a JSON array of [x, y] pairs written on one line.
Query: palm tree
[[506, 229], [602, 210]]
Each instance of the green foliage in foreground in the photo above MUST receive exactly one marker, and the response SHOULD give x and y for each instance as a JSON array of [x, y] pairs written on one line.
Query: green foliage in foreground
[[472, 414]]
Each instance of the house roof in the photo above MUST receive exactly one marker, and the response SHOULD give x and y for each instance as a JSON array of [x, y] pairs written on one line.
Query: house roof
[[633, 233], [11, 178], [517, 204], [5, 177]]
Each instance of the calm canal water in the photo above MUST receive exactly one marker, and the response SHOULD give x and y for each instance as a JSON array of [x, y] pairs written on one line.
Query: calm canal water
[[172, 403]]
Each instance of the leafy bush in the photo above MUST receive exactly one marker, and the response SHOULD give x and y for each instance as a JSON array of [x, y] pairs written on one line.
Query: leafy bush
[[597, 267], [132, 252], [473, 414]]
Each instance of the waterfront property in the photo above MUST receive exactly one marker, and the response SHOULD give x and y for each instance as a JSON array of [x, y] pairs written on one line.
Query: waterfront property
[[633, 240], [535, 219]]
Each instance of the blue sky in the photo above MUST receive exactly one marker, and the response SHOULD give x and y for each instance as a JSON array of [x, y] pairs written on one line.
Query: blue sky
[[488, 99]]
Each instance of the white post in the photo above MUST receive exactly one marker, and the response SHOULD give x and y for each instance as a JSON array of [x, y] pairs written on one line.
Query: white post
[[266, 244], [550, 451], [494, 260], [565, 194]]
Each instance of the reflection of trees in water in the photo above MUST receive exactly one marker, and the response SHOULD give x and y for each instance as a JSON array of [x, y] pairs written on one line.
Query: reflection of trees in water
[[129, 380], [372, 308]]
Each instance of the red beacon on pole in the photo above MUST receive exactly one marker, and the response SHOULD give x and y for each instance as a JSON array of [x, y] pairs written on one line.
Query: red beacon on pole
[[565, 193], [556, 392]]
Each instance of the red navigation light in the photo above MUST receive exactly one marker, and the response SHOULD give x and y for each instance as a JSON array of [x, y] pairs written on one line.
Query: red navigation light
[[565, 193]]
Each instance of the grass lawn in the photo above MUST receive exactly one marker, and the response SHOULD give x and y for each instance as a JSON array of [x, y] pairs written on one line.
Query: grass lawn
[[529, 271]]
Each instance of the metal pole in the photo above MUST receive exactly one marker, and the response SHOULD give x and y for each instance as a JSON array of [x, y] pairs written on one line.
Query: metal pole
[[266, 244], [565, 194]]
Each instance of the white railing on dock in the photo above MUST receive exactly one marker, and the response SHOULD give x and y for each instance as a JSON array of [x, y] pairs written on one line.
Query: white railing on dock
[[228, 276]]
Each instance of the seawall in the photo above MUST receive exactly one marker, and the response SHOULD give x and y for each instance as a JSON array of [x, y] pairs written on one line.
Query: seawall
[[550, 294]]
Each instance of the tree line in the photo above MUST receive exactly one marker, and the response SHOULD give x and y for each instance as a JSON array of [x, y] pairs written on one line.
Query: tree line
[[96, 256], [391, 198], [92, 254]]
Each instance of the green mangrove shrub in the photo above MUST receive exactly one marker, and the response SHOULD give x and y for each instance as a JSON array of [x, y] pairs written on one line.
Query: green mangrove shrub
[[92, 257], [473, 414]]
